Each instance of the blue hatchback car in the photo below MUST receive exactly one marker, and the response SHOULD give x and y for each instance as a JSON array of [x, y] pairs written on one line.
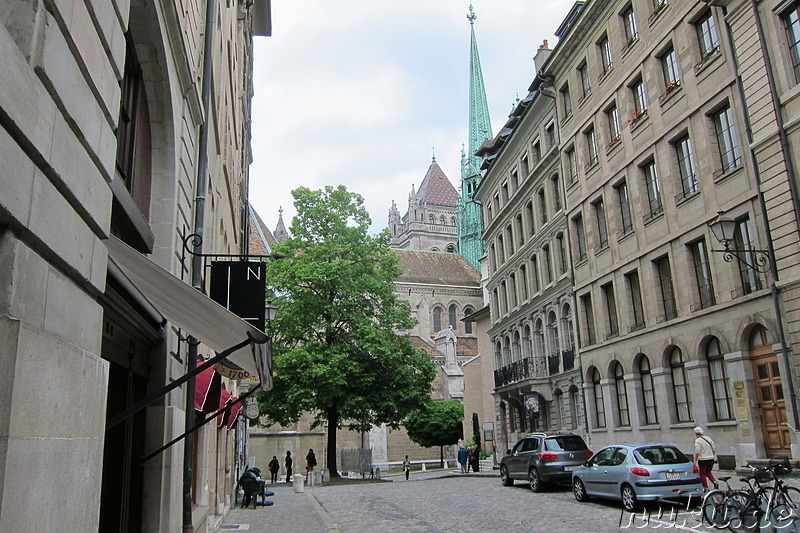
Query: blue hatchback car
[[637, 472]]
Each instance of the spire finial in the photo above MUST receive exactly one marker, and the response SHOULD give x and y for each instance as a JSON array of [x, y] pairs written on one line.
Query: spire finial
[[471, 16], [433, 150], [280, 211]]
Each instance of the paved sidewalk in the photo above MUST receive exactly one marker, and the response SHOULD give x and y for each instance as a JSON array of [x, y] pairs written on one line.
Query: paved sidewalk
[[301, 512]]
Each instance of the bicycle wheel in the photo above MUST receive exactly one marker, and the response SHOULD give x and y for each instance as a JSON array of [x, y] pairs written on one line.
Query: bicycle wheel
[[785, 510], [733, 510], [756, 513], [718, 509]]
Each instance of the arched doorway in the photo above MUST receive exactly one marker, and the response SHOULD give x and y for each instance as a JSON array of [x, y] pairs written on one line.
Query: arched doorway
[[769, 394]]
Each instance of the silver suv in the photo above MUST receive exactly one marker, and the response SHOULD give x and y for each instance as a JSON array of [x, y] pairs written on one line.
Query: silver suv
[[541, 458]]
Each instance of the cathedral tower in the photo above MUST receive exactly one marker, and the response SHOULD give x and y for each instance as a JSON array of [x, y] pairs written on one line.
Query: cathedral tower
[[470, 218]]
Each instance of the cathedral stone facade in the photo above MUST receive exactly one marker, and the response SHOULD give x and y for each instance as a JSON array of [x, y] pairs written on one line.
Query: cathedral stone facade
[[441, 288]]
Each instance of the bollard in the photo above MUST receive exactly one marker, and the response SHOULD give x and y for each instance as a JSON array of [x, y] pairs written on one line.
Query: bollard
[[299, 481], [423, 468], [446, 466], [378, 473]]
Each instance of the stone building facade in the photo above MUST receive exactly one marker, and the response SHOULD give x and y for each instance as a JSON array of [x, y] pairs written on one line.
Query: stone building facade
[[532, 332], [656, 136], [100, 135], [441, 289], [430, 221]]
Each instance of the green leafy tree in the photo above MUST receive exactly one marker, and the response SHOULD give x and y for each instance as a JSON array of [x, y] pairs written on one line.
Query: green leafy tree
[[439, 423], [336, 354]]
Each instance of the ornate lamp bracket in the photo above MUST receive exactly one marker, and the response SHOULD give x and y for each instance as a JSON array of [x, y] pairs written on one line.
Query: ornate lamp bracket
[[758, 259]]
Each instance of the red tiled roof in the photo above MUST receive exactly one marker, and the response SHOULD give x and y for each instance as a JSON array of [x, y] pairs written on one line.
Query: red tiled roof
[[260, 238], [436, 267]]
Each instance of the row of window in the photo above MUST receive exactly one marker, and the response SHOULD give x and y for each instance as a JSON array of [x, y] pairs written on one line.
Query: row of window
[[442, 220], [536, 340], [439, 314], [664, 293], [707, 43], [683, 166], [543, 267], [680, 394], [520, 175], [536, 214], [683, 160]]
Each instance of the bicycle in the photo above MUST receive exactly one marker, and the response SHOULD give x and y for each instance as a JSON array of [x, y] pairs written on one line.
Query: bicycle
[[721, 507], [774, 505]]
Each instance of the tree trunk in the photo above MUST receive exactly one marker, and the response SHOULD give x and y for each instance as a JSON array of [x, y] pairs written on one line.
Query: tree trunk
[[333, 426]]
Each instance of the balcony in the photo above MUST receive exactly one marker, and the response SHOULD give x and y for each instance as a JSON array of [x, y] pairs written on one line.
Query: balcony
[[520, 370]]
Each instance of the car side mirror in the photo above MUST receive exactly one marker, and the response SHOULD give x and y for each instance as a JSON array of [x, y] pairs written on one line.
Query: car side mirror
[[508, 452], [588, 463]]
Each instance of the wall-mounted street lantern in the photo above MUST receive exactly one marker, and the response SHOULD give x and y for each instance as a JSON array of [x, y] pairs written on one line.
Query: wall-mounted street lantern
[[724, 229], [270, 311]]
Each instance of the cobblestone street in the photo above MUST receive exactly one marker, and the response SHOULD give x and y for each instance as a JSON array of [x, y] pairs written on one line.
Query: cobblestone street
[[431, 503]]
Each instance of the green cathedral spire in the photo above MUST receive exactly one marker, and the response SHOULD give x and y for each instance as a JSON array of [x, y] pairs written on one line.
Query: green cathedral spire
[[470, 218]]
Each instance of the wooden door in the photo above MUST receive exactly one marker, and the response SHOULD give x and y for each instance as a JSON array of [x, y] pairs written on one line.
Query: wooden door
[[769, 394]]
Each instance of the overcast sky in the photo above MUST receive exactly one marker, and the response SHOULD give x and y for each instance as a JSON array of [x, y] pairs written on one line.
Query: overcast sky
[[359, 92]]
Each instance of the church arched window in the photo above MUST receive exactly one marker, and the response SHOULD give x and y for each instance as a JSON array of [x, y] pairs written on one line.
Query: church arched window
[[468, 323], [451, 249], [437, 319], [452, 221], [442, 221], [453, 318], [431, 220]]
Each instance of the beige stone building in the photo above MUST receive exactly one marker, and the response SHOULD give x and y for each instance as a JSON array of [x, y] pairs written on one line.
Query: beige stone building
[[656, 136], [532, 333], [106, 166]]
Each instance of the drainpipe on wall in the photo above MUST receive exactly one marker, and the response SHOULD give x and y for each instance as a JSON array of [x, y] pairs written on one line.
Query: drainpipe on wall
[[201, 184]]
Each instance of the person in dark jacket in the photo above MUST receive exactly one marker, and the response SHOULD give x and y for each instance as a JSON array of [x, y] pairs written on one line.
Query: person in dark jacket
[[311, 462], [274, 466], [288, 464], [475, 459], [462, 459]]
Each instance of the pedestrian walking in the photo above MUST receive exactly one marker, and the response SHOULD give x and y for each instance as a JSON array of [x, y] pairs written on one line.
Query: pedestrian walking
[[462, 459], [274, 466], [469, 458], [288, 464], [705, 455], [475, 458], [311, 462], [407, 467]]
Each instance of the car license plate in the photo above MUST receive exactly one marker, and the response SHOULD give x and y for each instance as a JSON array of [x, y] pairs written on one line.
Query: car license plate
[[569, 468], [673, 476]]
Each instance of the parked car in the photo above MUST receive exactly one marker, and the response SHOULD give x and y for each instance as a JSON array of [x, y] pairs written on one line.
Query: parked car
[[540, 458], [637, 472]]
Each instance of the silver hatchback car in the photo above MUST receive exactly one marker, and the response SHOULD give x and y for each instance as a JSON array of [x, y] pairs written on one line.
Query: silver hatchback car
[[637, 472]]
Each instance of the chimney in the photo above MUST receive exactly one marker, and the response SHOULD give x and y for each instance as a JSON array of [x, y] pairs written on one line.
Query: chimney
[[542, 54]]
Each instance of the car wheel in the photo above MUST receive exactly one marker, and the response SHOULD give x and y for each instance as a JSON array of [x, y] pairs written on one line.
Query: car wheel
[[505, 479], [579, 490], [536, 482], [629, 500]]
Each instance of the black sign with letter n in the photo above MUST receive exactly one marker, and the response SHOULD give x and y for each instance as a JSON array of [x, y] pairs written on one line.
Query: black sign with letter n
[[240, 287]]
